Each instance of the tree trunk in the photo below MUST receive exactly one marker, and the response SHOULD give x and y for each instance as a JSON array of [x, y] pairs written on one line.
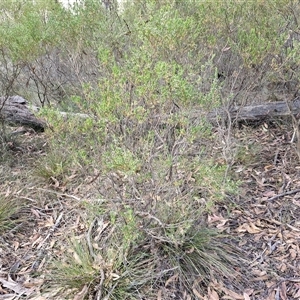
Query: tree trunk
[[257, 112], [14, 111]]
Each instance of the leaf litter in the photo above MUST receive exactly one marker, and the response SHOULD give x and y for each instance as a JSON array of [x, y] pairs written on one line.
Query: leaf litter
[[264, 221]]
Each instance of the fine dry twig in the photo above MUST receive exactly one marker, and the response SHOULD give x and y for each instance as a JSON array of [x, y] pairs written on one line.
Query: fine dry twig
[[284, 194]]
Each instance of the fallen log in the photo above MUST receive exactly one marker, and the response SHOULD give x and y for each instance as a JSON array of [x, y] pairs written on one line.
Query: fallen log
[[15, 111], [261, 112]]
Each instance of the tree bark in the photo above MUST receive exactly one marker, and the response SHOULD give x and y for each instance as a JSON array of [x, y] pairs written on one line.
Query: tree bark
[[14, 111], [259, 112]]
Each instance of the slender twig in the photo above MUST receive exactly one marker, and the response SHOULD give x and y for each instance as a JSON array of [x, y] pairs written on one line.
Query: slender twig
[[88, 238], [99, 292], [95, 178], [51, 231], [145, 214], [60, 194], [284, 194]]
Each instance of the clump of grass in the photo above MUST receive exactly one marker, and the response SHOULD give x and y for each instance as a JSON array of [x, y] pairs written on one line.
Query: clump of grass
[[8, 209], [199, 257], [131, 255], [76, 268], [248, 154], [54, 165], [215, 184], [184, 243], [112, 268]]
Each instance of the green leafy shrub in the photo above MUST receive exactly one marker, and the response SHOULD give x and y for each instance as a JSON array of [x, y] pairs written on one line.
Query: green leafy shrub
[[147, 79]]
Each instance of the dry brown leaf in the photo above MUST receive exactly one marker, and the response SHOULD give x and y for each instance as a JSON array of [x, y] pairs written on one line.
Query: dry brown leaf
[[282, 291], [16, 245], [197, 294], [241, 228], [222, 223], [15, 286], [226, 49], [231, 294], [215, 218], [248, 227], [7, 192], [293, 253], [81, 295], [253, 228], [246, 296], [8, 297], [249, 291], [269, 193], [283, 267], [296, 202], [55, 181], [159, 294], [77, 258], [293, 228], [271, 296], [269, 284], [171, 279], [37, 240], [212, 294], [261, 278], [297, 295], [35, 212], [269, 167], [33, 282], [49, 222]]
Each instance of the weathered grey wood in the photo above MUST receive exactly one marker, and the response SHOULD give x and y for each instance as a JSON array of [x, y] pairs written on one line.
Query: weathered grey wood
[[14, 111], [257, 112]]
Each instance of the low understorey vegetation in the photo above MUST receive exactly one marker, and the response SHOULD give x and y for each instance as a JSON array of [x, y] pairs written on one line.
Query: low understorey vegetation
[[132, 192]]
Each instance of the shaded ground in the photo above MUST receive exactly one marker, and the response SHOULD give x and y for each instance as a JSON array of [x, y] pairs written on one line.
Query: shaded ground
[[264, 218]]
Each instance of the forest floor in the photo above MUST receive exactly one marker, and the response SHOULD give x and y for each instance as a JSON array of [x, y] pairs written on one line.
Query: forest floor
[[265, 216]]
